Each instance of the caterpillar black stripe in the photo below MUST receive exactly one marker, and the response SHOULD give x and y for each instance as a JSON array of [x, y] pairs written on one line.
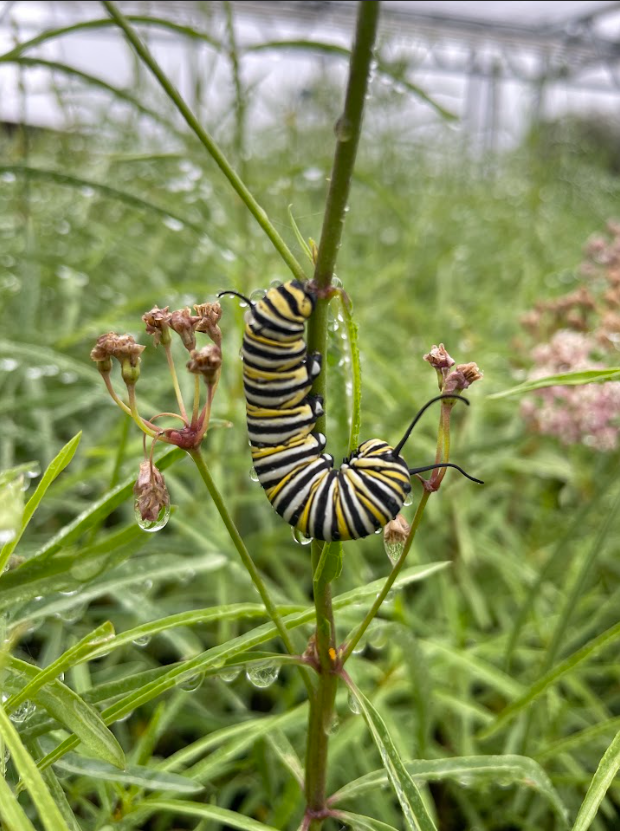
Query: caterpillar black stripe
[[300, 481]]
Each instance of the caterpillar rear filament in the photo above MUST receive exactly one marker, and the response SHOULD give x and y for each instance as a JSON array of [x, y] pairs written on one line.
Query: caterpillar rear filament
[[300, 480]]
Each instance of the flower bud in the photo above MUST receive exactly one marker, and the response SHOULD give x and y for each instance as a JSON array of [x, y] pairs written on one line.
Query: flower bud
[[208, 317], [152, 498], [395, 535], [206, 362], [439, 358], [158, 324], [183, 324], [462, 377], [121, 347]]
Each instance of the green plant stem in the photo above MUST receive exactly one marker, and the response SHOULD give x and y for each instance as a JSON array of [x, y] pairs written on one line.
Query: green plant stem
[[370, 615], [175, 381], [259, 213], [348, 131], [247, 560]]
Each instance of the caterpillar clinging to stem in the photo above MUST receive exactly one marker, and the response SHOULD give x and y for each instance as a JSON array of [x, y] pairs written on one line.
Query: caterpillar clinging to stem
[[320, 501]]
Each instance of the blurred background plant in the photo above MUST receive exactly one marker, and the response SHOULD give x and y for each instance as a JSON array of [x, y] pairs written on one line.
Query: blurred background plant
[[496, 675]]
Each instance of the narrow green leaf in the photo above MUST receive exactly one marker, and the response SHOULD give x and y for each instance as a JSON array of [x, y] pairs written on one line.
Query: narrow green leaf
[[217, 656], [476, 770], [415, 814], [203, 811], [11, 812], [148, 778], [356, 371], [329, 565], [581, 737], [298, 235], [536, 689], [602, 779], [79, 652], [51, 817], [68, 180], [358, 821], [105, 23], [67, 707], [56, 466], [563, 379]]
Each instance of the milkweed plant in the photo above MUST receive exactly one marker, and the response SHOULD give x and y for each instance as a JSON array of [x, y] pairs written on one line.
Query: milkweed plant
[[48, 729]]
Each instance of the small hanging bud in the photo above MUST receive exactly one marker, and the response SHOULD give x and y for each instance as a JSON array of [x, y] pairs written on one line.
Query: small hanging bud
[[206, 362], [208, 317], [152, 501], [395, 534], [158, 324], [183, 324]]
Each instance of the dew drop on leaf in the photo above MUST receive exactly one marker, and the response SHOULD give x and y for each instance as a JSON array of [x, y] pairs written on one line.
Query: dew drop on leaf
[[23, 712], [354, 704], [229, 674], [263, 674], [193, 682], [253, 475]]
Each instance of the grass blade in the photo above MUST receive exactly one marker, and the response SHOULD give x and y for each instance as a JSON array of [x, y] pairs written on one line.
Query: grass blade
[[564, 379], [56, 466], [51, 818], [414, 811], [602, 779], [198, 809], [11, 812]]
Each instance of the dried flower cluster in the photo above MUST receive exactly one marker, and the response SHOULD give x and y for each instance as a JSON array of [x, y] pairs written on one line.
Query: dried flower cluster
[[452, 377], [152, 503], [579, 331]]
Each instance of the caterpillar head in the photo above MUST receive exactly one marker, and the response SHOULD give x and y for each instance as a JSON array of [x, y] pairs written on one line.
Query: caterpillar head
[[378, 457]]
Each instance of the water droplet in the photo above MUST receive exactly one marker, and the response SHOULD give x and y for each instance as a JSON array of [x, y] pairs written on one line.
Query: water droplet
[[337, 284], [68, 592], [313, 174], [408, 500], [7, 755], [73, 614], [124, 717], [173, 224], [359, 647], [253, 475], [193, 682], [23, 712], [143, 640], [274, 284], [354, 704], [257, 294], [156, 525], [299, 538], [8, 364], [379, 531], [393, 550], [333, 725], [262, 674], [229, 674], [378, 637], [343, 129]]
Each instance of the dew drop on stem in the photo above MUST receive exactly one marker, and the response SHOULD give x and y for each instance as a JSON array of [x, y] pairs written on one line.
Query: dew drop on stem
[[154, 525]]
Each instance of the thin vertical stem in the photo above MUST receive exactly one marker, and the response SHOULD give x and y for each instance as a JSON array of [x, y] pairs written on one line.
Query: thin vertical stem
[[246, 559], [348, 131]]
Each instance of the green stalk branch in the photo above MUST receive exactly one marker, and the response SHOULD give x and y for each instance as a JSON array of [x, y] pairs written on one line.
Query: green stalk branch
[[259, 213], [348, 131], [247, 560]]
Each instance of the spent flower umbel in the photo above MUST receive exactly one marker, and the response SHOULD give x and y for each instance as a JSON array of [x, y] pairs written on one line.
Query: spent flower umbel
[[578, 331]]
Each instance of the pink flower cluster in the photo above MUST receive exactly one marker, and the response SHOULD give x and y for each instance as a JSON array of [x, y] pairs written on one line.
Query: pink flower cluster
[[585, 414], [579, 331]]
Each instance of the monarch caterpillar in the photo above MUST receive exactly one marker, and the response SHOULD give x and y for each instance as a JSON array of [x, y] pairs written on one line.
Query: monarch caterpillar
[[299, 479]]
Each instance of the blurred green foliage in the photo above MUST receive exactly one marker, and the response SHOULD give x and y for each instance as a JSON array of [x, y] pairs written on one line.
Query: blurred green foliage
[[97, 227]]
